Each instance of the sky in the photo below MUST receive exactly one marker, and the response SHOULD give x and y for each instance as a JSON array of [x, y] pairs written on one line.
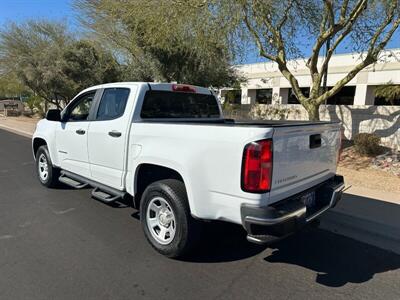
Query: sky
[[20, 10]]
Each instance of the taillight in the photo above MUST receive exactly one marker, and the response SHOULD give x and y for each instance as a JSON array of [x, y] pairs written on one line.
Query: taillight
[[257, 167], [183, 88]]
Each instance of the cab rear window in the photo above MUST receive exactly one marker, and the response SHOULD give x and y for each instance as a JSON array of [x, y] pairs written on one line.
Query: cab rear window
[[165, 104]]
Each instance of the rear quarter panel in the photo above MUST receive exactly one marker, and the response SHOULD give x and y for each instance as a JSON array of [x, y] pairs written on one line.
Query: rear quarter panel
[[209, 158]]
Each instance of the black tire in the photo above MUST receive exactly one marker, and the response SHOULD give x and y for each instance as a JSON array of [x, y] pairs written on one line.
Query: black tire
[[51, 180], [187, 229]]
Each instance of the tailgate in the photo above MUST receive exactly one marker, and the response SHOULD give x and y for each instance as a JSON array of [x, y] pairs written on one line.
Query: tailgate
[[303, 156]]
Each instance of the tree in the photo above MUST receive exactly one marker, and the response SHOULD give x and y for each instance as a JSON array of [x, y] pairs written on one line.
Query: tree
[[161, 41], [10, 86], [53, 64], [390, 92], [278, 26], [33, 51], [85, 63]]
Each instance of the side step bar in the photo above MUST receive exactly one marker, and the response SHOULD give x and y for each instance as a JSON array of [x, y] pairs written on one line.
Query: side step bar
[[103, 196], [101, 192], [71, 182]]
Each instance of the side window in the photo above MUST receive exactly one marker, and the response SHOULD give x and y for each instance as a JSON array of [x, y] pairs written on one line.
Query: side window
[[80, 109], [112, 104]]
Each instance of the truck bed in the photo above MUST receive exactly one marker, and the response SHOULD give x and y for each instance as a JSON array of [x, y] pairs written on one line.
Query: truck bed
[[240, 123]]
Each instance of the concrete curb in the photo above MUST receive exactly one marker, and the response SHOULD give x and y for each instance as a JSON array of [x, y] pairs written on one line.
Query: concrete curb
[[16, 131], [367, 220], [367, 231]]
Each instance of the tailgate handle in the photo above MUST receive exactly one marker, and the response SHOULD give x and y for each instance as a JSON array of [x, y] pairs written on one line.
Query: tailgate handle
[[315, 141]]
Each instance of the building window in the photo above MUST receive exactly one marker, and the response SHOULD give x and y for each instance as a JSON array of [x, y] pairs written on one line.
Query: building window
[[264, 96], [388, 95], [344, 97], [293, 99], [384, 101]]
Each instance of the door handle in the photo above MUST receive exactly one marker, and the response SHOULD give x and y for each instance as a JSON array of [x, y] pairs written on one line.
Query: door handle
[[114, 133], [80, 131]]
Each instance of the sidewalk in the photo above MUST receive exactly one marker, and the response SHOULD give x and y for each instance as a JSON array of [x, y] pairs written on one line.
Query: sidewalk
[[21, 125], [365, 214]]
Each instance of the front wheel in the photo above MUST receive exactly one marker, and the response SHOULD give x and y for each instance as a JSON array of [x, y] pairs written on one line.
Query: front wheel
[[47, 173], [166, 219]]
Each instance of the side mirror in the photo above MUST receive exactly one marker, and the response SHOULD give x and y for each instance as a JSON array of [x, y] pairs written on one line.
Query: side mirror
[[53, 115]]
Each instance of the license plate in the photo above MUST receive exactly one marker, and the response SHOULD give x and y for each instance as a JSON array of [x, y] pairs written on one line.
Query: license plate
[[308, 199]]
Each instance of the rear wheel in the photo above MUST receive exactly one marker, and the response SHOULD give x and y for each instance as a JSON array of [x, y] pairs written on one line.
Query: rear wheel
[[47, 173], [166, 219]]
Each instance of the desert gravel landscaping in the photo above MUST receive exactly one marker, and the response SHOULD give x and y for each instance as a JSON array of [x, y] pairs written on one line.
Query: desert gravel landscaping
[[378, 173], [370, 179]]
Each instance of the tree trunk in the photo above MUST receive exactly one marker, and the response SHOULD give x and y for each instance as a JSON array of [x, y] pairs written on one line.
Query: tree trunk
[[313, 112]]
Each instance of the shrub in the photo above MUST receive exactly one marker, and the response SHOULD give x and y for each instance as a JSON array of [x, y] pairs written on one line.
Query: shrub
[[235, 111], [367, 144], [272, 112], [36, 105]]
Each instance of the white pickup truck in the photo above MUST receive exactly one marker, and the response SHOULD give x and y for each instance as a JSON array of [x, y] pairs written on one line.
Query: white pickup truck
[[169, 149]]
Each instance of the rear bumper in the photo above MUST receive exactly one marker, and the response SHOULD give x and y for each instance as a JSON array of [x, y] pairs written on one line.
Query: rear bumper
[[270, 223]]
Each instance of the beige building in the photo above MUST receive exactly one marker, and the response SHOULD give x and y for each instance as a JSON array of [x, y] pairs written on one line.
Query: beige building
[[266, 85], [356, 105]]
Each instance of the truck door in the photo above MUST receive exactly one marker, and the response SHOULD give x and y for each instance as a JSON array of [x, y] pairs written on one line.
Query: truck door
[[71, 135], [108, 136]]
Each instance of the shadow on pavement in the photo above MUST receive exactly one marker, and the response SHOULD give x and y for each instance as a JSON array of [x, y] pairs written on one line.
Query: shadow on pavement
[[220, 242], [223, 242], [337, 260]]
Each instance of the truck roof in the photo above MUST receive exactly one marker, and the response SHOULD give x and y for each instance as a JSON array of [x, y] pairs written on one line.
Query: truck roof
[[152, 85]]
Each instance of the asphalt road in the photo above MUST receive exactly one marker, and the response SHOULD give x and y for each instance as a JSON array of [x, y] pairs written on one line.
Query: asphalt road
[[61, 244]]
